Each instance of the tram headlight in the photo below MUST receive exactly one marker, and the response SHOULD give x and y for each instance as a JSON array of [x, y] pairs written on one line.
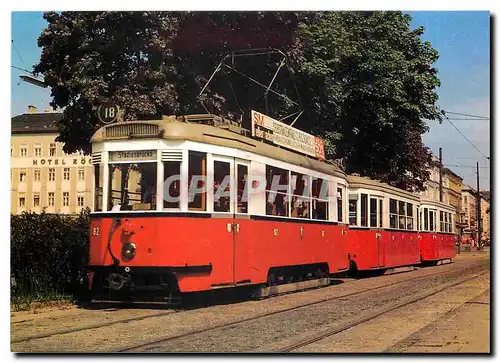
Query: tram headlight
[[128, 251]]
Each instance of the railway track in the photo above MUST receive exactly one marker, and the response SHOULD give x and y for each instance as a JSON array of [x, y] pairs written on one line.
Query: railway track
[[336, 330], [152, 344]]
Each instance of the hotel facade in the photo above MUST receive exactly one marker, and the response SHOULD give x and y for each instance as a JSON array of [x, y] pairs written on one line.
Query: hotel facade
[[43, 177]]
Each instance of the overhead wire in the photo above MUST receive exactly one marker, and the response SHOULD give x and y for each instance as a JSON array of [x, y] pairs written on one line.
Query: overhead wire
[[465, 114], [466, 138]]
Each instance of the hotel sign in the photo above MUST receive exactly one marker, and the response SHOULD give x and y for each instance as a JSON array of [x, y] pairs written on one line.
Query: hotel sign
[[279, 133], [62, 161], [133, 155]]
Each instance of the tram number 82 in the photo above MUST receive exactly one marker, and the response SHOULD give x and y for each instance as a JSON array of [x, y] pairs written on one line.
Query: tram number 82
[[95, 231]]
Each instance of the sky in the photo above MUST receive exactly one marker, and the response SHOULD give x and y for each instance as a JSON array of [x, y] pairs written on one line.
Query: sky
[[462, 39]]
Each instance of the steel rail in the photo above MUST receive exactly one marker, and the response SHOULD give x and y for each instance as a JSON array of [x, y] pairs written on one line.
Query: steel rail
[[334, 331], [225, 325]]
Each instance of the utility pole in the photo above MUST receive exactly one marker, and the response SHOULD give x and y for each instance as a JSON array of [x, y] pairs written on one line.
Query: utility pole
[[478, 210], [441, 174]]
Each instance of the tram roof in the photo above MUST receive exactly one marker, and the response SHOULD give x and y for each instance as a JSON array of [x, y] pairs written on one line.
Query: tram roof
[[176, 128], [364, 182], [433, 203]]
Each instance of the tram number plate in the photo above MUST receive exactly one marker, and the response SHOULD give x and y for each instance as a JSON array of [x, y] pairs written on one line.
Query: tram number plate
[[95, 231]]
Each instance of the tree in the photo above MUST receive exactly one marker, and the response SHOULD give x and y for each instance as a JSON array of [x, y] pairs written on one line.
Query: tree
[[369, 83], [365, 80], [93, 57]]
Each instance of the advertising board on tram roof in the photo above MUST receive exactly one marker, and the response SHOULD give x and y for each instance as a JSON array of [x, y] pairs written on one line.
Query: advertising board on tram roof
[[279, 133]]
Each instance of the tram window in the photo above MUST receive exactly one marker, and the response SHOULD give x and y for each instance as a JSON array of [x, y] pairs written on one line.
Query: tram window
[[431, 221], [171, 184], [442, 223], [319, 199], [353, 204], [242, 203], [277, 199], [409, 216], [132, 186], [300, 196], [222, 182], [197, 194], [364, 210], [393, 213], [339, 205], [373, 212], [426, 219], [380, 213], [98, 183], [402, 215]]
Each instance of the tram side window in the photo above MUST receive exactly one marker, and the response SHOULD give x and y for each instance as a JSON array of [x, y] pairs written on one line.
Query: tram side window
[[320, 199], [402, 215], [364, 210], [393, 213], [380, 213], [409, 216], [300, 196], [242, 176], [353, 204], [432, 215], [171, 184], [339, 205], [276, 191], [99, 183], [132, 186], [426, 219], [373, 212], [197, 193], [222, 182]]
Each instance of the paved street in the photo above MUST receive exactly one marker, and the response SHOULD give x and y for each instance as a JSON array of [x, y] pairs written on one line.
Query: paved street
[[436, 309]]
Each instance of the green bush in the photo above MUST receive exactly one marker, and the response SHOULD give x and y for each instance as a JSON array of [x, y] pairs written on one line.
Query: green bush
[[49, 255]]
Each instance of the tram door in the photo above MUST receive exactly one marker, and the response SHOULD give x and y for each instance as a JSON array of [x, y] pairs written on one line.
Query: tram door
[[230, 206], [242, 232], [376, 222]]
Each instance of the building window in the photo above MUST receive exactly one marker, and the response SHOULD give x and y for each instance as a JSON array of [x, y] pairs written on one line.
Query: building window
[[36, 200], [65, 199], [38, 150], [52, 150], [24, 150], [22, 201], [36, 175], [66, 174], [52, 174], [81, 174], [22, 176], [80, 200], [51, 199]]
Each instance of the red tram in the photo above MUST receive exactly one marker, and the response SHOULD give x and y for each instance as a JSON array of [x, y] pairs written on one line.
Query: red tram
[[436, 226], [382, 226], [197, 240], [191, 203]]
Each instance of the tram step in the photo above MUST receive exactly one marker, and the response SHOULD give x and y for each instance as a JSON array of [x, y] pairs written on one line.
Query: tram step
[[291, 287]]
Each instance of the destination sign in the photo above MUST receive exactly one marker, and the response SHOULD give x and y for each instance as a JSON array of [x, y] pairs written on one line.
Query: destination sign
[[132, 155], [279, 133]]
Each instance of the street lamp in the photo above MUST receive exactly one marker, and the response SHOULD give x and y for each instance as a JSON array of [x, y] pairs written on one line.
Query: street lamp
[[34, 81]]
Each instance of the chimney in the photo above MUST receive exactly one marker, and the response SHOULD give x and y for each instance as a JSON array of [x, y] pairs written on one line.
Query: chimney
[[32, 109]]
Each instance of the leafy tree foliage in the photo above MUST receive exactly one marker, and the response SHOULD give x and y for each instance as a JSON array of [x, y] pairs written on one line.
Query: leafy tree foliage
[[365, 79]]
